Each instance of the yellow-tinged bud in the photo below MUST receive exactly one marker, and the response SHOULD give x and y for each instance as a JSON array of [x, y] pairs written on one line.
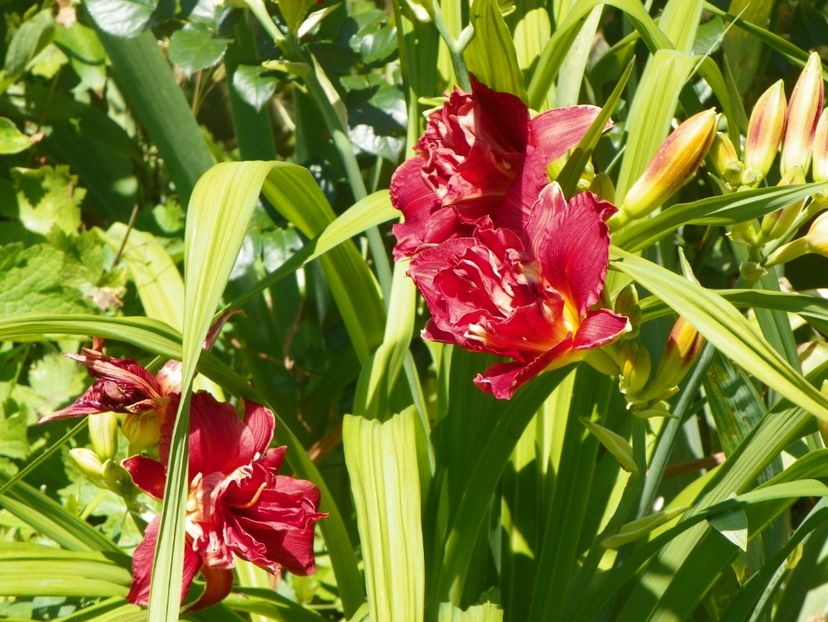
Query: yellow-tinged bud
[[725, 159], [683, 346], [603, 187], [751, 271], [743, 233], [803, 113], [765, 129], [89, 464], [820, 150], [103, 432], [636, 370], [585, 181], [675, 161], [815, 241], [776, 224], [143, 429]]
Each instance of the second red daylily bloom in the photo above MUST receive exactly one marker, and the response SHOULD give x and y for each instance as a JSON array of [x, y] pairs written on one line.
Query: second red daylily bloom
[[121, 386], [526, 295], [482, 156], [237, 504]]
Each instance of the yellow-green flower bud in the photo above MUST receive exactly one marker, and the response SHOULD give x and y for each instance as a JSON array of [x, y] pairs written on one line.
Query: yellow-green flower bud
[[803, 112], [725, 159], [683, 346], [675, 161], [103, 432], [815, 241], [143, 429], [767, 123], [603, 187], [820, 149], [636, 370], [89, 464]]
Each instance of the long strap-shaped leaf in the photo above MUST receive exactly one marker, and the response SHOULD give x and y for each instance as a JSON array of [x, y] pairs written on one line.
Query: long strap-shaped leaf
[[217, 218], [723, 326]]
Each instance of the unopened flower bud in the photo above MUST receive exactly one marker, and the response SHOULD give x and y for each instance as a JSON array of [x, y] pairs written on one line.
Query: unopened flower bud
[[815, 241], [675, 161], [820, 149], [103, 433], [636, 370], [725, 160], [88, 463], [776, 224], [659, 409], [803, 113], [626, 300], [585, 181], [765, 129], [743, 233], [603, 187], [683, 346], [117, 479], [751, 271], [143, 429]]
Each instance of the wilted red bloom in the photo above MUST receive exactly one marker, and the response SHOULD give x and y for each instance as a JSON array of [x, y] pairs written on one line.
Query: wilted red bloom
[[481, 157], [122, 386], [237, 503], [525, 294]]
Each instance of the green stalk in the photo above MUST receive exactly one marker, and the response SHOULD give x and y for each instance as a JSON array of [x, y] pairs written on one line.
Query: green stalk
[[455, 46]]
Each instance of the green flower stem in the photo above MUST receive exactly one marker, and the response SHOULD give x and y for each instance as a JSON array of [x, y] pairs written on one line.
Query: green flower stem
[[455, 46], [669, 435]]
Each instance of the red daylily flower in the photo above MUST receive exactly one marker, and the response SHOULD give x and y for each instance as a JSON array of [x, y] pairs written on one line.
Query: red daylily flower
[[237, 504], [122, 386], [524, 294], [481, 157]]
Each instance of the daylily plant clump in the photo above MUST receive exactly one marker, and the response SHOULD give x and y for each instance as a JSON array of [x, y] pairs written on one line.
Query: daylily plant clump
[[238, 504]]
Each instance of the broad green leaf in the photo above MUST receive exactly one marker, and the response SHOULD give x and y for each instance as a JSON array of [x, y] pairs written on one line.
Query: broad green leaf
[[253, 84], [269, 605], [732, 526], [378, 376], [35, 570], [46, 198], [727, 329], [491, 54], [382, 464], [813, 308], [148, 84], [614, 443], [487, 612], [32, 279], [86, 54], [49, 518], [293, 192], [12, 140], [160, 286], [720, 210], [571, 75], [121, 18], [27, 41], [194, 48], [680, 21]]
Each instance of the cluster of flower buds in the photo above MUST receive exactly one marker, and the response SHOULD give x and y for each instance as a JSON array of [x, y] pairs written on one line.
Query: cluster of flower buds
[[675, 161], [800, 129]]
